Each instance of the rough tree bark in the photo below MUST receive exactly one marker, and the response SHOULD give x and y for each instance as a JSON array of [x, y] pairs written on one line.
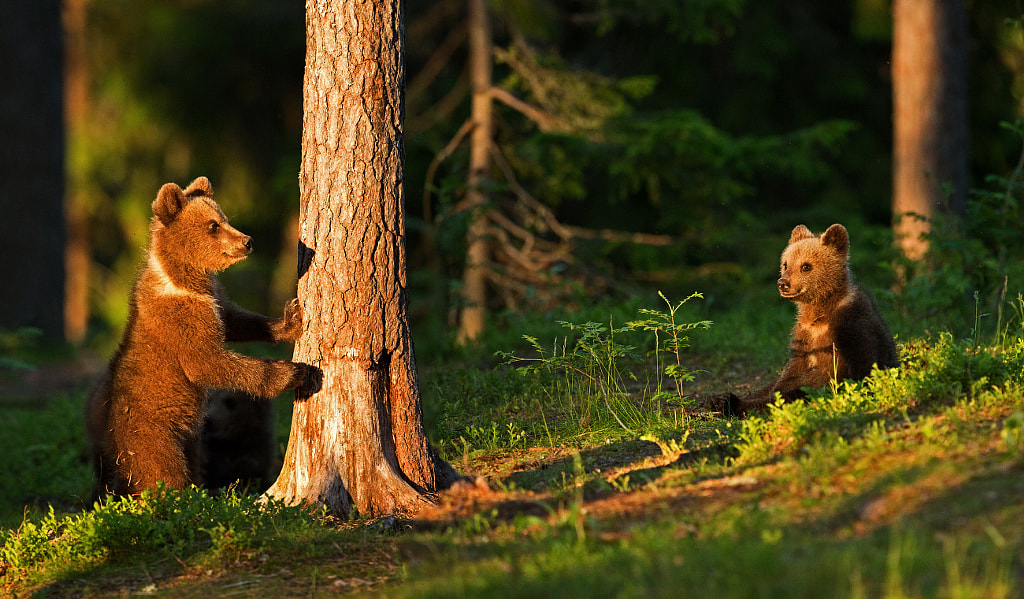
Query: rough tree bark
[[356, 442], [929, 73], [474, 279]]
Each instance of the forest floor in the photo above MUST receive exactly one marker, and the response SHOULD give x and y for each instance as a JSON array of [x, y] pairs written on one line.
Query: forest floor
[[925, 499]]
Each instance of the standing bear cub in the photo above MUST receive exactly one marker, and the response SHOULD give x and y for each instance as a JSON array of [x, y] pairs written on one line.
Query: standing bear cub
[[839, 333], [144, 417]]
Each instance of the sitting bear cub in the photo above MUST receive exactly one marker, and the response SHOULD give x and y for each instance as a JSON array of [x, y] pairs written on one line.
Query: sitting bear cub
[[839, 333], [145, 414]]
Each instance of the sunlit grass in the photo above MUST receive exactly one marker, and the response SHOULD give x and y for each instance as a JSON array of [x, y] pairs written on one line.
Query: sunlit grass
[[905, 485]]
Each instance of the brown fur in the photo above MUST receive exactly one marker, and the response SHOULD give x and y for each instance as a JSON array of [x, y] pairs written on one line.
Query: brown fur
[[146, 411], [839, 333]]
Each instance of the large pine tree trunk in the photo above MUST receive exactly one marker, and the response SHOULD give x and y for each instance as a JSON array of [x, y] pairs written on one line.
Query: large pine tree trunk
[[357, 441], [474, 280], [930, 170]]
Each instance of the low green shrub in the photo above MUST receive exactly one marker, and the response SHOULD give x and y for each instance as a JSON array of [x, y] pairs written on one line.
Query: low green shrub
[[161, 520], [594, 368], [932, 376]]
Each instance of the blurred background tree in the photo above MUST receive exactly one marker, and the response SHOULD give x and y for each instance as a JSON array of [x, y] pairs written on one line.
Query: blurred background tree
[[31, 168], [929, 73], [716, 125]]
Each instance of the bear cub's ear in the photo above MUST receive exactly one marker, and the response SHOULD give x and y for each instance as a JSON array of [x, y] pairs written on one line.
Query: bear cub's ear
[[200, 186], [800, 232], [837, 237], [168, 203]]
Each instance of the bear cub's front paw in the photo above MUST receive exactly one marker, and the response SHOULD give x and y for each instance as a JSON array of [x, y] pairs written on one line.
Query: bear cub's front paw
[[309, 380], [289, 326]]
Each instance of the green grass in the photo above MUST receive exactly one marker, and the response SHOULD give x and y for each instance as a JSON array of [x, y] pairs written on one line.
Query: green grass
[[850, 495], [910, 484], [45, 459]]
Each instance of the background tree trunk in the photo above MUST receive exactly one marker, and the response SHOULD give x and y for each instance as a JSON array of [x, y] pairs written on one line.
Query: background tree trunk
[[78, 253], [358, 441], [929, 72], [32, 168], [474, 280]]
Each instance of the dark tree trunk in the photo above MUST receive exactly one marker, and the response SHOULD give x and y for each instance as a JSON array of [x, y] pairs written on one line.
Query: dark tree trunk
[[32, 167], [358, 441]]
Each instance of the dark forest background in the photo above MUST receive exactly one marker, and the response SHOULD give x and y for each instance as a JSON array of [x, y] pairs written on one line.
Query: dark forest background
[[682, 140]]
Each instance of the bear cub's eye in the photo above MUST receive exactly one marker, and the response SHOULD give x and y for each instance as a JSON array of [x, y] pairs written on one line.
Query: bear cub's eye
[[806, 267], [213, 227]]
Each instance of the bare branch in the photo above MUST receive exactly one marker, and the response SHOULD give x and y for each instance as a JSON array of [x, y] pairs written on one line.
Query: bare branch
[[440, 15], [570, 231], [545, 121], [441, 109], [434, 64], [436, 162], [528, 74], [524, 196], [621, 236]]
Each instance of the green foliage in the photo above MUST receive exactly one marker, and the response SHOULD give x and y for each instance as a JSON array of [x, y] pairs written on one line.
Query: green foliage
[[783, 499], [974, 257], [13, 344], [470, 411], [595, 368], [164, 521], [675, 340], [1013, 434], [761, 556], [496, 438], [647, 154], [669, 447], [706, 21], [44, 456], [936, 413], [930, 377]]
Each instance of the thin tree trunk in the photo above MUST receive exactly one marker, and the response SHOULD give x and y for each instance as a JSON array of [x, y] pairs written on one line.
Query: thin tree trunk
[[930, 171], [478, 252], [78, 253], [357, 442]]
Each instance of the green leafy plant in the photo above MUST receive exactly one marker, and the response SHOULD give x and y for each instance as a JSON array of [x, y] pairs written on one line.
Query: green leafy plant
[[494, 438], [670, 336], [592, 364], [669, 447], [1013, 433]]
